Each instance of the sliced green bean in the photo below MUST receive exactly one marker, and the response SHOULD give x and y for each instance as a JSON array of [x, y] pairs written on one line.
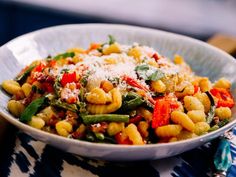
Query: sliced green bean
[[92, 119], [100, 136], [32, 109], [60, 104], [21, 78]]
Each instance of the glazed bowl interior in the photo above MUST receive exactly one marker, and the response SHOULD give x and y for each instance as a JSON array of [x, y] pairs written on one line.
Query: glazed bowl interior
[[205, 60]]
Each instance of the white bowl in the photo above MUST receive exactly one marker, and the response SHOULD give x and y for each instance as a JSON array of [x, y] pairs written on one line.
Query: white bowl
[[203, 58]]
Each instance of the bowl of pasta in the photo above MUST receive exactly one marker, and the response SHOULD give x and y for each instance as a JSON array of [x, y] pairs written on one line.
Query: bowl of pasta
[[117, 92]]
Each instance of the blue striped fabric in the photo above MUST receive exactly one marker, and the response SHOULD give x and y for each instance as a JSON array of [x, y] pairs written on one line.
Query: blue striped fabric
[[26, 157]]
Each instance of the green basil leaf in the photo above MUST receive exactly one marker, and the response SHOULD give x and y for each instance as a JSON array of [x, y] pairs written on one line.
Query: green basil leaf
[[111, 39], [147, 73], [156, 75]]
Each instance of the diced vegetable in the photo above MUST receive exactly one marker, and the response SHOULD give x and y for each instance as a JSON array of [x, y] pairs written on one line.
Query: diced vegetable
[[92, 119], [68, 78], [161, 114], [224, 97]]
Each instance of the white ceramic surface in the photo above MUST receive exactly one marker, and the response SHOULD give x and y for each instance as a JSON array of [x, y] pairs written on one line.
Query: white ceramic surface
[[204, 59]]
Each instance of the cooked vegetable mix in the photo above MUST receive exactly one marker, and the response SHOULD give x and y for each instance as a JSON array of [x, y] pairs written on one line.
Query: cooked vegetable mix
[[119, 94]]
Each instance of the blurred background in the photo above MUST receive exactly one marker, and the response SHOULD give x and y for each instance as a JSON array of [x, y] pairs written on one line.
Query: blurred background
[[196, 18]]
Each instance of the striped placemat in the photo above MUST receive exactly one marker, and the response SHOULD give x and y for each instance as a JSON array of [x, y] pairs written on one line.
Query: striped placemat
[[23, 156]]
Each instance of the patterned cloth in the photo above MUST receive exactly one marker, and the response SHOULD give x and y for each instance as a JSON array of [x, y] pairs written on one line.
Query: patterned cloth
[[25, 157]]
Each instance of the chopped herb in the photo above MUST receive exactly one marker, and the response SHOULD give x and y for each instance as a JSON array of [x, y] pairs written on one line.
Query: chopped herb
[[149, 73]]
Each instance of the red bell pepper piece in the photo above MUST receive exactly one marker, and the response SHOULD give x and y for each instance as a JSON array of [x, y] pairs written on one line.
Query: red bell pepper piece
[[172, 99], [52, 63], [196, 88], [135, 119], [48, 87], [161, 114], [155, 56], [68, 78], [122, 138], [225, 99], [40, 67], [134, 83]]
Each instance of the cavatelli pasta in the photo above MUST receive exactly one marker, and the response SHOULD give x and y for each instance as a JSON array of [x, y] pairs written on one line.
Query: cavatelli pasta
[[105, 109], [115, 93], [168, 131], [182, 119]]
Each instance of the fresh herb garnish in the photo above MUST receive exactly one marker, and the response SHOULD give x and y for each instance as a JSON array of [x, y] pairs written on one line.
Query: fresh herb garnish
[[149, 73], [111, 39]]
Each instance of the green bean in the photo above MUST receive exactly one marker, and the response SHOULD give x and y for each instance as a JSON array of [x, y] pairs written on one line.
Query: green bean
[[92, 119], [21, 78], [60, 104], [32, 109], [100, 136]]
